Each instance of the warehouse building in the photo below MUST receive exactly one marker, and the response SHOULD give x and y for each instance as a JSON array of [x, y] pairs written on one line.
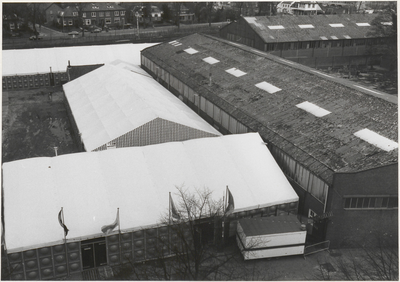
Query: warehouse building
[[91, 187], [120, 105], [317, 41], [336, 141]]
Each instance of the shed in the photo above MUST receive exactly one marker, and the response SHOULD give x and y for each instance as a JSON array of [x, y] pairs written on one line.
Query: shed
[[270, 237]]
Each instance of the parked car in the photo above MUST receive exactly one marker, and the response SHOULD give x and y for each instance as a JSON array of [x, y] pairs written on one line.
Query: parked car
[[33, 37], [73, 33], [96, 30]]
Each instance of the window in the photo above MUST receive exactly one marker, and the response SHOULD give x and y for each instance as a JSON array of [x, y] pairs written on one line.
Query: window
[[88, 22], [75, 14], [84, 15], [108, 20], [108, 14], [116, 13], [116, 20], [101, 14], [371, 202], [122, 13], [51, 12], [69, 22], [64, 23], [93, 14]]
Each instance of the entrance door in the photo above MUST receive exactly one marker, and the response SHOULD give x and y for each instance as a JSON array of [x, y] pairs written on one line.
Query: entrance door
[[94, 253]]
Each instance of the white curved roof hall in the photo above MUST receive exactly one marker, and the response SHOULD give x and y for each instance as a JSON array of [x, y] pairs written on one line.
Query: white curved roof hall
[[34, 61], [111, 101], [137, 180]]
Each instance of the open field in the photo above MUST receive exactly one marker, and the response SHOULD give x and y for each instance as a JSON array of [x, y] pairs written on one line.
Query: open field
[[34, 123]]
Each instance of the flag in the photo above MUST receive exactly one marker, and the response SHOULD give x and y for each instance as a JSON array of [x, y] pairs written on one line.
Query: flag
[[61, 221], [108, 228], [231, 204], [174, 212]]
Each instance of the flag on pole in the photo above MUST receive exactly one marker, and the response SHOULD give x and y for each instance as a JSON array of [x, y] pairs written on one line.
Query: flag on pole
[[174, 212], [108, 228], [231, 204], [61, 221]]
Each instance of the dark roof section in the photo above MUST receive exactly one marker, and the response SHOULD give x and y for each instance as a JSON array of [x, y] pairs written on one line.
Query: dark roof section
[[266, 27], [270, 225], [102, 6], [323, 144], [77, 71]]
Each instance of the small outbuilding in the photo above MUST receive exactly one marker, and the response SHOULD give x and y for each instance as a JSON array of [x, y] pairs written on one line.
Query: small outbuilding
[[270, 237]]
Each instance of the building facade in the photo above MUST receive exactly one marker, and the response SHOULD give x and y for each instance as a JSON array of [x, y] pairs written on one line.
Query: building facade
[[223, 83], [324, 40]]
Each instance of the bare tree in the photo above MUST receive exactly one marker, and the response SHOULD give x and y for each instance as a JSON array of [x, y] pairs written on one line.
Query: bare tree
[[191, 250]]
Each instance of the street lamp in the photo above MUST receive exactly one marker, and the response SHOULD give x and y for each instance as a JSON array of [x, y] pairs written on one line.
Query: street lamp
[[137, 23]]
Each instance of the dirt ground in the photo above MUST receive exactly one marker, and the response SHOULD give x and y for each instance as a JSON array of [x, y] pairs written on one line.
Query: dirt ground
[[33, 123]]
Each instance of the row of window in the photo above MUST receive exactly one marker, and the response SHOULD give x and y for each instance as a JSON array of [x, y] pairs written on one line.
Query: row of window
[[322, 44], [102, 14], [371, 202], [106, 21], [308, 181]]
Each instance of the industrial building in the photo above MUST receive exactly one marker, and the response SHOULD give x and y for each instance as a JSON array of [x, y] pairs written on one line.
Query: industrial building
[[335, 140], [316, 41], [119, 105], [90, 187]]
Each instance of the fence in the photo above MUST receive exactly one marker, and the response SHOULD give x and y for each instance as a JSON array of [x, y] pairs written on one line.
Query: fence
[[315, 248]]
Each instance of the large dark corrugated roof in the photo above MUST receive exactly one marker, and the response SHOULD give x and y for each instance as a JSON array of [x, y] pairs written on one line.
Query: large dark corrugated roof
[[267, 27], [324, 144]]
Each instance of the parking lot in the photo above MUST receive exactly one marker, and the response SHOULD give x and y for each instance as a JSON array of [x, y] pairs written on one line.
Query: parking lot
[[34, 122]]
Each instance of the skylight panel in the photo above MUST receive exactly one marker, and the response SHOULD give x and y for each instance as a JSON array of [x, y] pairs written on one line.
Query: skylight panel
[[276, 27], [386, 23], [323, 38], [347, 36], [376, 139], [306, 26], [268, 87], [210, 60], [313, 109], [175, 43], [191, 51], [363, 24], [334, 37], [236, 72], [336, 25]]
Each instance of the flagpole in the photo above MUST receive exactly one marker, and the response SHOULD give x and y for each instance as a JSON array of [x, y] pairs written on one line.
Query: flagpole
[[119, 237], [65, 241], [169, 209]]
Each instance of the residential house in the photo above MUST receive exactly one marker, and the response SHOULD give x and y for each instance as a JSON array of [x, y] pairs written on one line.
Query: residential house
[[298, 7], [103, 14]]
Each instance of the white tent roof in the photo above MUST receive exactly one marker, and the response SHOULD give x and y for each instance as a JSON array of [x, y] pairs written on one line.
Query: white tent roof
[[33, 61], [137, 180], [112, 100]]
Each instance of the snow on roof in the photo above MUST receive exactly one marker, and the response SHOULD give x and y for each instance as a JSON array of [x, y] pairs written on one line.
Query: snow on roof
[[137, 180], [114, 100], [33, 61]]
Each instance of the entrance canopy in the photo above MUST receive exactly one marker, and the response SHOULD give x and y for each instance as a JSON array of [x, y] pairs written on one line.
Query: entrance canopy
[[92, 186]]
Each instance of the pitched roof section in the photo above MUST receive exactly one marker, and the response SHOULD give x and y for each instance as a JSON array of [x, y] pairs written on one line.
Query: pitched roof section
[[111, 101], [136, 180], [308, 28], [324, 144]]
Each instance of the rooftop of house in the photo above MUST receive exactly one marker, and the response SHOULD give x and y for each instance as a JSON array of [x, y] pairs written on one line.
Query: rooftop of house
[[102, 6], [319, 120], [308, 28]]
